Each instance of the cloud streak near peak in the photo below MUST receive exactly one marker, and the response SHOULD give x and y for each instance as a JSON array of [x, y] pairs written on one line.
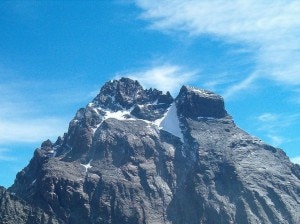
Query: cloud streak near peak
[[165, 77], [272, 28]]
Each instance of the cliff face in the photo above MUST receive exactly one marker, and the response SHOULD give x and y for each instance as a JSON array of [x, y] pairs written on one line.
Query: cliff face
[[140, 156]]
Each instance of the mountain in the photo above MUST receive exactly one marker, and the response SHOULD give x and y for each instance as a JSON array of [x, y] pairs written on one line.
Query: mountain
[[139, 156]]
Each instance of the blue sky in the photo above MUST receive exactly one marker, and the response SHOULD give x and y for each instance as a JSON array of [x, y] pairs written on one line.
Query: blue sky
[[55, 56]]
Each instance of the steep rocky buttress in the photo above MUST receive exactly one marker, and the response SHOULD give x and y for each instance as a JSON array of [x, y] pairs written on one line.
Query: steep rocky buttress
[[139, 156]]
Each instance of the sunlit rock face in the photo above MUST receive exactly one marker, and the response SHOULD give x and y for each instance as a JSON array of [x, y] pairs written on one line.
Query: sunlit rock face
[[140, 156]]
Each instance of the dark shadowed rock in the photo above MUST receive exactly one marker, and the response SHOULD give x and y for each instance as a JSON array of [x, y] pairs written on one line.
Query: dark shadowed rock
[[136, 156], [194, 103]]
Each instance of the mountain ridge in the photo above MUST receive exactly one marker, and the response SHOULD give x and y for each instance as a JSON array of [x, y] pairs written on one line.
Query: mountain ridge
[[140, 156]]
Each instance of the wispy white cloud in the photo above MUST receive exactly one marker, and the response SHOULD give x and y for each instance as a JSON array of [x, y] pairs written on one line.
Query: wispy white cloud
[[296, 160], [166, 77], [268, 117], [272, 121], [25, 121], [4, 155], [244, 84], [276, 139], [30, 130], [25, 109], [272, 28], [30, 109], [272, 125]]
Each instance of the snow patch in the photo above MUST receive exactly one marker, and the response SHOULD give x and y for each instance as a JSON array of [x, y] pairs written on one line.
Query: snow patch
[[170, 122], [158, 121], [91, 104], [119, 115], [87, 166], [96, 111], [97, 126]]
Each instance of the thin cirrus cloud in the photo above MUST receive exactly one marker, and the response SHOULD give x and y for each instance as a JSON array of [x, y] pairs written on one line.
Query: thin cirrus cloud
[[268, 117], [276, 139], [30, 130], [23, 120], [272, 28], [272, 121], [165, 77], [272, 124], [4, 155], [26, 103]]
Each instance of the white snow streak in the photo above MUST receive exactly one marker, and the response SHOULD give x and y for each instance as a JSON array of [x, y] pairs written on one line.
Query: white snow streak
[[87, 166], [170, 122], [119, 115]]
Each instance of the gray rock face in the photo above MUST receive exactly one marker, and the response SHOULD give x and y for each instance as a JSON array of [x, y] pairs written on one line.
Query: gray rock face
[[194, 103], [14, 210], [139, 156]]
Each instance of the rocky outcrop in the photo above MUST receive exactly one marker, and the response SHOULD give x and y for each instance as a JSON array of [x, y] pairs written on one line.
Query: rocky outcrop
[[194, 103], [139, 156], [15, 210]]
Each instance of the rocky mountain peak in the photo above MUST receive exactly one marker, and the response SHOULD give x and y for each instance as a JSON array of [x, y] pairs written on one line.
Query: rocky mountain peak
[[137, 156], [122, 99], [119, 94], [126, 93], [194, 103]]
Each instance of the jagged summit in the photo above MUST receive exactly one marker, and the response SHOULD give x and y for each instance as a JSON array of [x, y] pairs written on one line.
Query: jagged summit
[[126, 93], [134, 155]]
